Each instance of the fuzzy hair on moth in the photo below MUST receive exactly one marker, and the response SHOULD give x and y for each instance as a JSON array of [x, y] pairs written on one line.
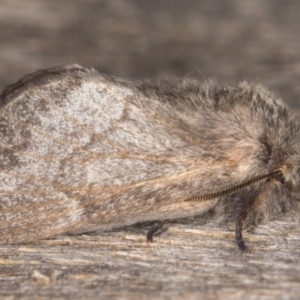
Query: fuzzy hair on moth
[[81, 151]]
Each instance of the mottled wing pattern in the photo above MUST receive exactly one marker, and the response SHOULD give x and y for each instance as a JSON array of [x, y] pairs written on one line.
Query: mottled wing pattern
[[71, 155], [81, 151]]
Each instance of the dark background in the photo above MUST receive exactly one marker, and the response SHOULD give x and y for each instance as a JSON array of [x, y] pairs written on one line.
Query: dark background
[[229, 40]]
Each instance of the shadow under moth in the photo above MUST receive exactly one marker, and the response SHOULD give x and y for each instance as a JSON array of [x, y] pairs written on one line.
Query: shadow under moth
[[81, 151]]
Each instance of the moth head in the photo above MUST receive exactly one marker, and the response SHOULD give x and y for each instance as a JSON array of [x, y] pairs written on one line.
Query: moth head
[[290, 177]]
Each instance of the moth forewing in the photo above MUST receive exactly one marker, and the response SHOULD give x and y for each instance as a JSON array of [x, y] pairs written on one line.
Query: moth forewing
[[81, 151]]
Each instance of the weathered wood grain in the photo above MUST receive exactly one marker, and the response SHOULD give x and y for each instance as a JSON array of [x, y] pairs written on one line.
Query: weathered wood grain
[[187, 261]]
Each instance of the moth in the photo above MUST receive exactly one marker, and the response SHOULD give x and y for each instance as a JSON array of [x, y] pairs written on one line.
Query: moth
[[81, 151]]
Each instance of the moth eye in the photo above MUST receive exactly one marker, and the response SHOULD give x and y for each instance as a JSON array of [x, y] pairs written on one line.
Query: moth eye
[[280, 178]]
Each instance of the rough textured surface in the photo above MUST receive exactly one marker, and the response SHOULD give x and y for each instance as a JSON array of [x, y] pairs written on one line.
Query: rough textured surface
[[229, 40], [187, 261]]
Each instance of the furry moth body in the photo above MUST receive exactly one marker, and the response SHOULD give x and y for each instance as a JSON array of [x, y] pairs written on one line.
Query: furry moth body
[[81, 151]]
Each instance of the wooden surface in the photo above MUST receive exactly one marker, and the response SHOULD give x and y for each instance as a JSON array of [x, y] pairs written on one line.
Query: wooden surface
[[228, 40], [185, 262]]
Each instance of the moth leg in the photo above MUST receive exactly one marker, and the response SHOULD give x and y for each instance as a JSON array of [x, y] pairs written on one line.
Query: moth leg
[[154, 230], [238, 232]]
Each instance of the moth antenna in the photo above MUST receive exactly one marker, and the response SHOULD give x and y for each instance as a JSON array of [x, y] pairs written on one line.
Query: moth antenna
[[236, 188]]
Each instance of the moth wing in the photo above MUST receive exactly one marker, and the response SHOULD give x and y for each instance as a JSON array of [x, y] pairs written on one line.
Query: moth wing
[[81, 151], [67, 142]]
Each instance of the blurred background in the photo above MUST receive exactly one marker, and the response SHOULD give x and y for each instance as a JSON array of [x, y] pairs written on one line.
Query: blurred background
[[229, 40]]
